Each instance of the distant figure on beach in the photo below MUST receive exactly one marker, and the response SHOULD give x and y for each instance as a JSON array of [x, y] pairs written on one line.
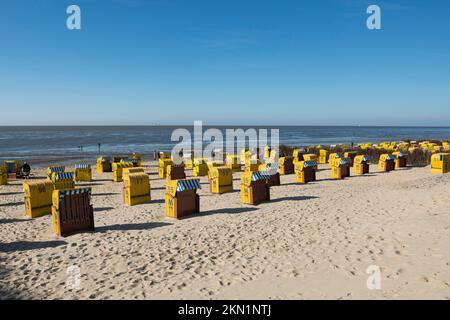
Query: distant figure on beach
[[25, 170], [99, 145]]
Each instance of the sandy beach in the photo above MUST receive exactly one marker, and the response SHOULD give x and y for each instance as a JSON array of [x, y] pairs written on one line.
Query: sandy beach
[[310, 241]]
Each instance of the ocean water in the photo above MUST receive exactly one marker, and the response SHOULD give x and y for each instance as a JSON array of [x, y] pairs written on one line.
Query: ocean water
[[65, 142]]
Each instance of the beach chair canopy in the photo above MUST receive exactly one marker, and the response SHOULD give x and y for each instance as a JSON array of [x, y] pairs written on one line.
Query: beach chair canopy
[[309, 163], [56, 169], [256, 176], [63, 176], [345, 161], [188, 184], [71, 192], [82, 166]]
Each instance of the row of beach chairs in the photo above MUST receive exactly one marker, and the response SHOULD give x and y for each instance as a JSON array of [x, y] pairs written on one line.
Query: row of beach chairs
[[72, 211]]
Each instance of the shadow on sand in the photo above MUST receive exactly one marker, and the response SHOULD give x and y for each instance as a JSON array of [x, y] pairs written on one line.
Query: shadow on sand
[[295, 198], [223, 211], [11, 204], [29, 245], [132, 226]]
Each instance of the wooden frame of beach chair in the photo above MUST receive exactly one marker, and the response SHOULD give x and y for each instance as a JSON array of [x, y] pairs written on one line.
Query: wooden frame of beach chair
[[83, 172], [181, 198], [286, 165], [63, 180], [163, 163], [220, 180], [72, 211], [3, 176], [118, 170], [38, 197], [103, 164], [440, 163], [305, 171], [136, 188], [254, 188], [175, 172], [401, 159], [340, 168], [386, 163], [351, 155], [361, 165]]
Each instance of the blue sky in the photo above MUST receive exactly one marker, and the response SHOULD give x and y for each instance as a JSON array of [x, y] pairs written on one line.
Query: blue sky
[[225, 62]]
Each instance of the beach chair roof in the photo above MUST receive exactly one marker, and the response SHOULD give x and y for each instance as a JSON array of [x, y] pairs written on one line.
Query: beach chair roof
[[82, 166], [263, 175], [362, 158], [268, 172], [188, 184], [64, 176], [69, 192], [309, 163], [56, 169]]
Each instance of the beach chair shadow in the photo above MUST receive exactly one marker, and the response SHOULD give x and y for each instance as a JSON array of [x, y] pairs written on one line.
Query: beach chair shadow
[[223, 211], [4, 221], [131, 226], [9, 193], [295, 198], [99, 209], [29, 245], [105, 194], [11, 204]]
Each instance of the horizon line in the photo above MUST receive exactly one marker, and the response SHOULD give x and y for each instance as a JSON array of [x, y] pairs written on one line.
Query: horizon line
[[220, 125]]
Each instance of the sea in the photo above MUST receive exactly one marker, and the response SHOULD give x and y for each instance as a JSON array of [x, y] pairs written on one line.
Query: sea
[[66, 143]]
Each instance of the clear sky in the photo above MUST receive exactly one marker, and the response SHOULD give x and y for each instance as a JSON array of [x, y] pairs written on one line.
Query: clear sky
[[306, 62]]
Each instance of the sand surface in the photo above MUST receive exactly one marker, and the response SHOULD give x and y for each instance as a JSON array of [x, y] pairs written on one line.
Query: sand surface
[[310, 241]]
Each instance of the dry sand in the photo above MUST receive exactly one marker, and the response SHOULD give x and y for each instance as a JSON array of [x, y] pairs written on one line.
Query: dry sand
[[310, 241]]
